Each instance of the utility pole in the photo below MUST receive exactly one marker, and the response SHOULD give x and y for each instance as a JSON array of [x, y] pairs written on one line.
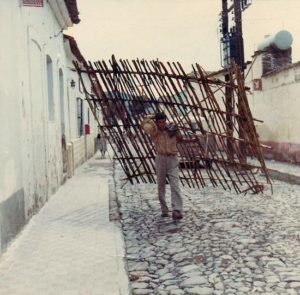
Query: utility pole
[[233, 49]]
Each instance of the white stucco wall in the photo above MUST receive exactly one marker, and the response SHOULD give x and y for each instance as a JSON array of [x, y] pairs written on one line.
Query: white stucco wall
[[32, 125], [277, 104], [41, 132], [10, 100]]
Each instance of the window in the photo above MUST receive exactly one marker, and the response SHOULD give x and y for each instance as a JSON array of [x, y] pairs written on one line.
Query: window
[[80, 116], [61, 98], [50, 88]]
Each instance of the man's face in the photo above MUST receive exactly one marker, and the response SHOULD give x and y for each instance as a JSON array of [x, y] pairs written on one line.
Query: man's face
[[161, 124]]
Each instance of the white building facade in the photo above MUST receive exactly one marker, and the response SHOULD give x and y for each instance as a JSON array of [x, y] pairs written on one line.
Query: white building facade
[[275, 98], [47, 129]]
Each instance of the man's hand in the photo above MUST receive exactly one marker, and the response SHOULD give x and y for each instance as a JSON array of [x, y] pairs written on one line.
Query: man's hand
[[150, 116], [188, 140], [195, 139]]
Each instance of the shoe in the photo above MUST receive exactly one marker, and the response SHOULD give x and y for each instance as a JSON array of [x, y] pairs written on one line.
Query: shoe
[[176, 214], [165, 214]]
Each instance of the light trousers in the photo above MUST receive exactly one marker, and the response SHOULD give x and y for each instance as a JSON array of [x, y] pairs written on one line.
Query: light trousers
[[168, 166]]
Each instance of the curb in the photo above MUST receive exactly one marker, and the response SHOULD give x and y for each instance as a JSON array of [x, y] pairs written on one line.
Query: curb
[[283, 176], [114, 216]]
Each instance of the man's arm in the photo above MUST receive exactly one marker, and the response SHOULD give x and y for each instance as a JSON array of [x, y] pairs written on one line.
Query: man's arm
[[180, 138]]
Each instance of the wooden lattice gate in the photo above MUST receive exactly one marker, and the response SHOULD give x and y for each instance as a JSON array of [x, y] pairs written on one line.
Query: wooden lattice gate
[[125, 91]]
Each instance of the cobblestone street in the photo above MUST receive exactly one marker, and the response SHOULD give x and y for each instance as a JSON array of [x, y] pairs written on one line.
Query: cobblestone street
[[225, 244]]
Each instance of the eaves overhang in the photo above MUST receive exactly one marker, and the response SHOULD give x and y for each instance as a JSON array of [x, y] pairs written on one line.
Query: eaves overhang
[[73, 11], [65, 11], [74, 48]]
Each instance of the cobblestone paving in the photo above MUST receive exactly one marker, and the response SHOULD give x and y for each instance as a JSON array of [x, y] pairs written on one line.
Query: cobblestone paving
[[225, 244]]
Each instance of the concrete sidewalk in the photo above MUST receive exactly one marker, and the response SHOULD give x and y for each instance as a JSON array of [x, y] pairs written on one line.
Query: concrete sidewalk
[[70, 246], [284, 171]]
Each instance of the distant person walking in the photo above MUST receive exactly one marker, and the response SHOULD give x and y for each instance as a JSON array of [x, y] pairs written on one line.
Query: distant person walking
[[101, 144]]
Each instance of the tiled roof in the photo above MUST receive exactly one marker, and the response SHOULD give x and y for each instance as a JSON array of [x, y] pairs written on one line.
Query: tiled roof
[[74, 48], [73, 11]]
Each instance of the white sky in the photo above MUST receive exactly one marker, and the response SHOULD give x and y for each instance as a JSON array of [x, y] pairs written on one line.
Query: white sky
[[176, 30]]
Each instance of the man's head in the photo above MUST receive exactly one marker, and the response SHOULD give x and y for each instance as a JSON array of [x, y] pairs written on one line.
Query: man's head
[[160, 120]]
